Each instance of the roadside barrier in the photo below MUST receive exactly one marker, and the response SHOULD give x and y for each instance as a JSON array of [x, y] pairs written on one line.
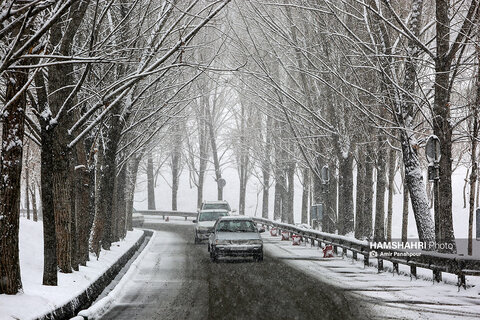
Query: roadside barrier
[[167, 214], [459, 265]]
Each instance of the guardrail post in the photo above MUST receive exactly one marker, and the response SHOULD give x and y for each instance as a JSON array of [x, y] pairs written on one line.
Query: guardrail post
[[185, 218], [354, 255], [366, 257], [163, 217], [395, 268], [461, 281], [335, 250], [413, 271], [437, 275], [380, 264]]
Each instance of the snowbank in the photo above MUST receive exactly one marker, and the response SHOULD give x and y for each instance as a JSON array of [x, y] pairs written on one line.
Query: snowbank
[[99, 308], [41, 299]]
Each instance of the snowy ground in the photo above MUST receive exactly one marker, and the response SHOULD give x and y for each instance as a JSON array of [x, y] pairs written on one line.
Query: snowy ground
[[42, 299], [396, 296]]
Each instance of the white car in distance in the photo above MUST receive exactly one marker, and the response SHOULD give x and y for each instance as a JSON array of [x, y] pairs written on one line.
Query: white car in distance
[[205, 221], [216, 204]]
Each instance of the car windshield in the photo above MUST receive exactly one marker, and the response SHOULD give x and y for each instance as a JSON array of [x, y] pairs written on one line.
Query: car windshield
[[211, 216], [213, 206], [236, 226]]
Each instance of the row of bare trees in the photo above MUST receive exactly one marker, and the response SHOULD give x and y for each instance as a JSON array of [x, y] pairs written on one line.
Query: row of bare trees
[[358, 86], [92, 84]]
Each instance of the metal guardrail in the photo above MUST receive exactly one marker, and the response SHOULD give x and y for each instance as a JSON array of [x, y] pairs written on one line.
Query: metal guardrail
[[437, 262], [164, 213]]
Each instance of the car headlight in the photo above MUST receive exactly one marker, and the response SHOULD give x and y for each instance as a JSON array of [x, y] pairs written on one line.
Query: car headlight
[[222, 242], [255, 242]]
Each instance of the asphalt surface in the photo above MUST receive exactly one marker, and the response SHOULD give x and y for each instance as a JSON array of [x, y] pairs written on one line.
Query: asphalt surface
[[176, 280]]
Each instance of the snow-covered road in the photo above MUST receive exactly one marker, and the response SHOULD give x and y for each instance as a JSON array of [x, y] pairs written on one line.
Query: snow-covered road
[[391, 296], [176, 280]]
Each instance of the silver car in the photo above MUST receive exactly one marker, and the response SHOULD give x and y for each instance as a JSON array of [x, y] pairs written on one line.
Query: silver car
[[237, 237], [205, 221]]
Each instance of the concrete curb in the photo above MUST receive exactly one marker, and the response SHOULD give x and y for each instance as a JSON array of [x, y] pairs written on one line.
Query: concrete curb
[[100, 307], [86, 298]]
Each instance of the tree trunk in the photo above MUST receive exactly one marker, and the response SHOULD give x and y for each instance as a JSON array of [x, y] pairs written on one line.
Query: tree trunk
[[203, 145], [176, 163], [416, 188], [151, 183], [102, 232], [442, 126], [82, 193], [345, 189], [243, 174], [33, 193], [318, 196], [379, 231], [74, 223], [61, 82], [243, 159], [243, 188], [405, 115], [330, 220], [291, 191], [46, 155], [131, 183], [391, 180], [405, 212], [473, 156], [82, 201], [13, 119], [305, 194], [266, 166], [115, 213], [368, 206], [282, 181], [360, 198], [121, 203], [63, 216], [27, 183], [277, 202], [213, 144]]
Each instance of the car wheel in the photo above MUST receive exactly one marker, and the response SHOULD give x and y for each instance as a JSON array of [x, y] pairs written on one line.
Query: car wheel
[[213, 256], [259, 258]]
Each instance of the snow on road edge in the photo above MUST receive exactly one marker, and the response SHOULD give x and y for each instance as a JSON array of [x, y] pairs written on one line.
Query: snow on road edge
[[100, 307]]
